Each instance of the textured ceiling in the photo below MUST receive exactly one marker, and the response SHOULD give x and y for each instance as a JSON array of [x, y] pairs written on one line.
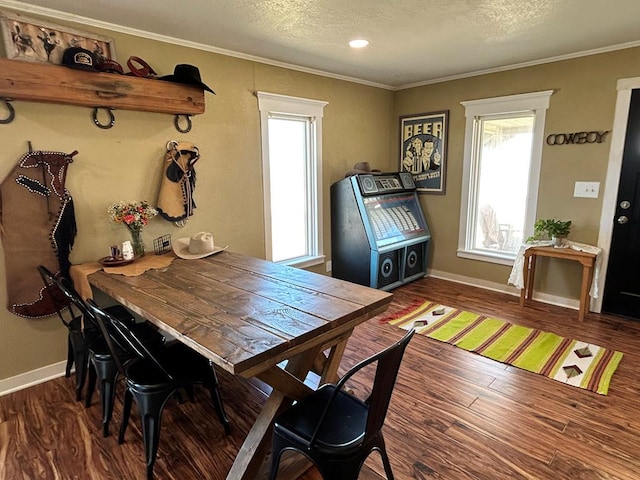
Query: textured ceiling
[[412, 41]]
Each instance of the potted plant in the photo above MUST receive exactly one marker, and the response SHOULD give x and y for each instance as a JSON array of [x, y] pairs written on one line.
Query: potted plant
[[550, 228]]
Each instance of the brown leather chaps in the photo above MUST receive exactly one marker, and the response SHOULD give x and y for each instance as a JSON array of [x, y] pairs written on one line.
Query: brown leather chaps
[[38, 228]]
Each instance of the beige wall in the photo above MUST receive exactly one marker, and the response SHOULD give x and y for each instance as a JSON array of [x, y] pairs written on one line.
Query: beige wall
[[584, 100], [360, 124], [124, 163]]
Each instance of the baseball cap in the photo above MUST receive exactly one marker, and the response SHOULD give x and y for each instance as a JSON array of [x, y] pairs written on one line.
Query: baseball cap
[[77, 57]]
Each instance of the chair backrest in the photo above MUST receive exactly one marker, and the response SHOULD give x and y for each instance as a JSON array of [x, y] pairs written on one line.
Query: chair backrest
[[61, 287], [117, 332], [59, 299], [386, 373], [388, 364]]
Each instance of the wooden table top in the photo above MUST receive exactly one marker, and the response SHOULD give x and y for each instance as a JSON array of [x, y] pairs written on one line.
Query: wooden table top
[[244, 313]]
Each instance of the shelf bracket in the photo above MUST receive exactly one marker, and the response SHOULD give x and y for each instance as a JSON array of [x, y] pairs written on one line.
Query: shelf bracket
[[12, 112]]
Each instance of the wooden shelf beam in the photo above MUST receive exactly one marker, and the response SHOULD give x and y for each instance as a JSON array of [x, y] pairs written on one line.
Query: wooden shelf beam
[[40, 82]]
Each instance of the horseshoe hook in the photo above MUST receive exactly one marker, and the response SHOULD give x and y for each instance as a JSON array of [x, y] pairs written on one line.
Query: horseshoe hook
[[176, 122], [112, 119], [12, 112]]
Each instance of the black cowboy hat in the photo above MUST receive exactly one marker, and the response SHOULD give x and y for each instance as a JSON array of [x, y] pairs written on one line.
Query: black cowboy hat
[[187, 74]]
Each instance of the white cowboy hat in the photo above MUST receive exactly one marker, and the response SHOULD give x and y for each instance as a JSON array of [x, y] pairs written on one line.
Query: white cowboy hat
[[198, 246]]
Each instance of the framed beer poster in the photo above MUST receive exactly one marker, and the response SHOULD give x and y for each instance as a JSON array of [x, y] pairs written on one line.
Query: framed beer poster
[[423, 149]]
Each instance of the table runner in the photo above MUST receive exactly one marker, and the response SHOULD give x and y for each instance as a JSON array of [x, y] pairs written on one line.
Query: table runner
[[80, 272]]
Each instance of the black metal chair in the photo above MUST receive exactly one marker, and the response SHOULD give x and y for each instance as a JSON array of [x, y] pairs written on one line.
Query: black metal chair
[[77, 349], [336, 430], [153, 378], [89, 348]]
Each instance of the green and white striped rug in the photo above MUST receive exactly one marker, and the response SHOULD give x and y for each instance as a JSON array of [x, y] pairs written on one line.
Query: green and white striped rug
[[573, 362]]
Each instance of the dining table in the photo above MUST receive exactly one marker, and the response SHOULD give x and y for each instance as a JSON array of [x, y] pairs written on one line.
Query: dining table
[[255, 319]]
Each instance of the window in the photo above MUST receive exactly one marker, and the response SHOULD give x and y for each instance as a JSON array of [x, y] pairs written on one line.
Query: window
[[503, 148], [291, 167]]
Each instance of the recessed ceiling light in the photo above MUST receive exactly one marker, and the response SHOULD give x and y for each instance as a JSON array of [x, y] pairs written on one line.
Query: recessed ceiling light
[[360, 43]]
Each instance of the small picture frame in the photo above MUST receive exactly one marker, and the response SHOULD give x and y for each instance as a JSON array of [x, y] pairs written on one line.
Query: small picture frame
[[35, 40], [423, 149]]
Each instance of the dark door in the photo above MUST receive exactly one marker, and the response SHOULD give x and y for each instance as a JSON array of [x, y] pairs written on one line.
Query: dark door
[[622, 286]]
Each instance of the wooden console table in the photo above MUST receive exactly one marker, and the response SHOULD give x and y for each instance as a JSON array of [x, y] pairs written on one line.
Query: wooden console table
[[587, 260]]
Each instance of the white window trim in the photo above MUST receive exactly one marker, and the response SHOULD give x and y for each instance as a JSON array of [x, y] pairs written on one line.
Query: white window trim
[[538, 102], [270, 103]]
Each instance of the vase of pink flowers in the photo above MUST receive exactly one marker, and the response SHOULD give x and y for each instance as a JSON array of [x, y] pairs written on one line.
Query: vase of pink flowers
[[135, 216]]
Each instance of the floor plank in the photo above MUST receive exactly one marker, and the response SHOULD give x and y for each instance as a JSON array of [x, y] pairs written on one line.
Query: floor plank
[[454, 415]]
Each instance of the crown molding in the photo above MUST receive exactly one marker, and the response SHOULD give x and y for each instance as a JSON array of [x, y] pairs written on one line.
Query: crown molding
[[22, 7]]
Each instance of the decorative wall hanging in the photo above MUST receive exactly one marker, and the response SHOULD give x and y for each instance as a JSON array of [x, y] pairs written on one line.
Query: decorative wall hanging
[[36, 40], [423, 149], [38, 228], [175, 199], [579, 138]]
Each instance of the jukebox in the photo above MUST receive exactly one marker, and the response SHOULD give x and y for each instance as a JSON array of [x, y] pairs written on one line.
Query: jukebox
[[379, 236]]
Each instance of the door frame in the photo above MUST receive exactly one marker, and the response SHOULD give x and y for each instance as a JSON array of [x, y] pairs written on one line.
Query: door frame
[[610, 197]]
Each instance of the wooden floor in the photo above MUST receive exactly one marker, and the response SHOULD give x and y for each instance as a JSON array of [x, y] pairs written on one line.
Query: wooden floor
[[454, 415]]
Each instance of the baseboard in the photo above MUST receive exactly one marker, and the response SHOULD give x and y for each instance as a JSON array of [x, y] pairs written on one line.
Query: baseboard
[[504, 288], [34, 377]]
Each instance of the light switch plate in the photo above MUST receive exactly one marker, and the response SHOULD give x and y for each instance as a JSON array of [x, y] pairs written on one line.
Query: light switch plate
[[587, 189]]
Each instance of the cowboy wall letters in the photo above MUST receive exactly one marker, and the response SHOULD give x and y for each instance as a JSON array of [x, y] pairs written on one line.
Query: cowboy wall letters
[[423, 142], [579, 138]]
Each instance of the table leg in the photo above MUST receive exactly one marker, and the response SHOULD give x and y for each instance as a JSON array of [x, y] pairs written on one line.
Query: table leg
[[525, 280], [255, 447], [584, 291], [532, 276], [327, 365], [529, 272], [330, 370]]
